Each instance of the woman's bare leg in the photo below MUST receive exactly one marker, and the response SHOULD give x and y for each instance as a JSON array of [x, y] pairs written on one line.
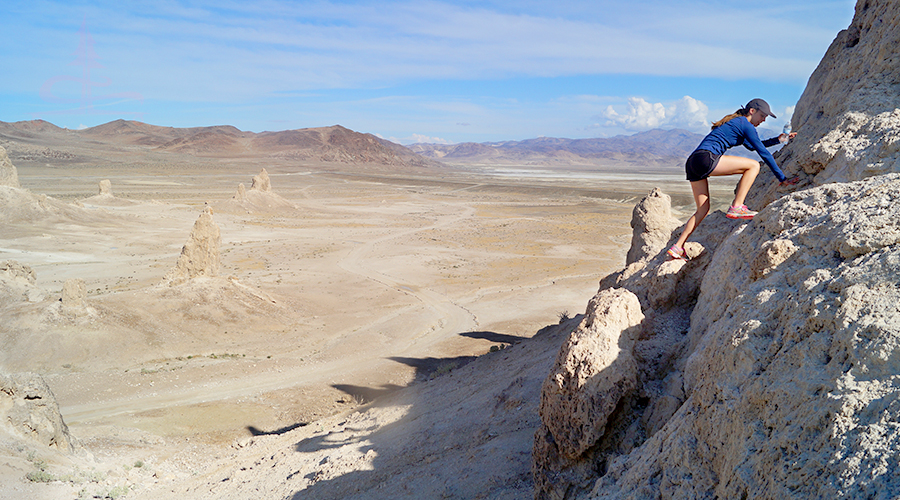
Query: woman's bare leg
[[728, 165], [749, 169], [701, 198]]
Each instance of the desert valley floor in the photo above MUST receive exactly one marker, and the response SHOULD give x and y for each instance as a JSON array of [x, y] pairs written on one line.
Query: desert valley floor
[[339, 287]]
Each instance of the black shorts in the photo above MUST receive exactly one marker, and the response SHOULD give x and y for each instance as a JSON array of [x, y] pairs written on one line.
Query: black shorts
[[700, 164]]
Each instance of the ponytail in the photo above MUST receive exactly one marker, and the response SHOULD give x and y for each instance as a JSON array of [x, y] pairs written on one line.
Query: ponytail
[[726, 119]]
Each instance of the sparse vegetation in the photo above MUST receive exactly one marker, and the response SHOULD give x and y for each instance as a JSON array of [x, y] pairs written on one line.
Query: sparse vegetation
[[563, 316], [40, 476], [117, 492], [444, 369]]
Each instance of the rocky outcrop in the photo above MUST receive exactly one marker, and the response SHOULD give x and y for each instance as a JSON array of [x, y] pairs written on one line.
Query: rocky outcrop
[[766, 365], [789, 365], [17, 283], [261, 182], [848, 118], [241, 194], [653, 222], [8, 174], [29, 412], [200, 255], [258, 199], [780, 385], [105, 197], [584, 389]]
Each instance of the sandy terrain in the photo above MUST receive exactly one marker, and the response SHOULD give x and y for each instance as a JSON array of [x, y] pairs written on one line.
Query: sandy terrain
[[339, 290]]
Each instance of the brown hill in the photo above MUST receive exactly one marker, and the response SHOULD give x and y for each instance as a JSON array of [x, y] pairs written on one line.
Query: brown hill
[[335, 144]]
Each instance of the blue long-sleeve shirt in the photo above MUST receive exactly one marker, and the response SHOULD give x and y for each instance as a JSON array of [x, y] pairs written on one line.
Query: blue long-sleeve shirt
[[739, 131]]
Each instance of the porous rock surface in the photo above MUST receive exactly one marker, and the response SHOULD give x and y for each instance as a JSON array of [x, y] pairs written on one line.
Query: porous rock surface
[[17, 283], [766, 366], [848, 118], [653, 223], [29, 412], [258, 199], [8, 174], [784, 383], [261, 182], [200, 255]]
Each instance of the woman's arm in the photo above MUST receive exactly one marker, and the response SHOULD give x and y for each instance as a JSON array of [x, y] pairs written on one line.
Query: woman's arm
[[752, 138]]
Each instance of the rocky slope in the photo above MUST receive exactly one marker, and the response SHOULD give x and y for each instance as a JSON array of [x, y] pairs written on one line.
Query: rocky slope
[[764, 367]]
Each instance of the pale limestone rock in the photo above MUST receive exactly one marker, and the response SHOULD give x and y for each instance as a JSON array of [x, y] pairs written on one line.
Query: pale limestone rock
[[200, 255], [784, 383], [73, 294], [594, 371], [241, 194], [17, 283], [29, 411], [261, 182], [8, 174], [848, 118], [258, 199], [105, 187], [653, 224], [790, 384]]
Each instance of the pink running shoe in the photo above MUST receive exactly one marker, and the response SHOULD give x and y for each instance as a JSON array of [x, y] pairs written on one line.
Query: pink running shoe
[[677, 253], [740, 212]]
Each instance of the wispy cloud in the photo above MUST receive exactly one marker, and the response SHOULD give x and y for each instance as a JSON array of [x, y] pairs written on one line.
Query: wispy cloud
[[237, 53]]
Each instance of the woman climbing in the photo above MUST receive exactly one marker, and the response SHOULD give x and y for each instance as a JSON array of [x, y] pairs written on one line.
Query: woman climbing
[[738, 128]]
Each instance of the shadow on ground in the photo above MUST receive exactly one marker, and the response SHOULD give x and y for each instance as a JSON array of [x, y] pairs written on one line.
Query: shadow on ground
[[465, 435]]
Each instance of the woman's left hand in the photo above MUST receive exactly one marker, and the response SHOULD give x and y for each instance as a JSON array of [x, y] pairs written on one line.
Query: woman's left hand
[[786, 137]]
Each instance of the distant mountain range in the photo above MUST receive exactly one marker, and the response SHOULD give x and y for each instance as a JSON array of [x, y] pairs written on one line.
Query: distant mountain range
[[652, 147], [336, 144]]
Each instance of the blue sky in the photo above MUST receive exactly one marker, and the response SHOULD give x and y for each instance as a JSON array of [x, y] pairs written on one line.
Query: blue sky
[[412, 71]]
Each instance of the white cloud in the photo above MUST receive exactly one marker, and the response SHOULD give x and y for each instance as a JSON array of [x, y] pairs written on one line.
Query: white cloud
[[687, 113], [417, 139], [789, 113]]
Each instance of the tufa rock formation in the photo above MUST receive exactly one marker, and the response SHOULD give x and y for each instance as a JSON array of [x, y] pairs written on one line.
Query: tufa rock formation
[[17, 204], [765, 367], [200, 255], [241, 194], [104, 197], [261, 182], [259, 198], [29, 412], [8, 174], [73, 297], [17, 283], [848, 117], [72, 305], [653, 224]]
